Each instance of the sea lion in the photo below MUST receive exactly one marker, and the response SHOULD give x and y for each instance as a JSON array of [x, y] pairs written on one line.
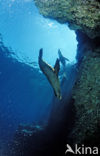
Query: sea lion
[[51, 74], [62, 58], [63, 62]]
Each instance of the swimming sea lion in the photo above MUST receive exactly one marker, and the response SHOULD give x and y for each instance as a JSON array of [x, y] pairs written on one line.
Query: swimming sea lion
[[62, 58], [51, 74]]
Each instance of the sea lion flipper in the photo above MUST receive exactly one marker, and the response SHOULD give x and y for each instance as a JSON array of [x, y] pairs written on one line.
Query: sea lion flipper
[[57, 67], [66, 59], [41, 53]]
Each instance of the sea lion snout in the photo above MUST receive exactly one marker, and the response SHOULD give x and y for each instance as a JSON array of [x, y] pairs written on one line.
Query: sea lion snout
[[58, 95]]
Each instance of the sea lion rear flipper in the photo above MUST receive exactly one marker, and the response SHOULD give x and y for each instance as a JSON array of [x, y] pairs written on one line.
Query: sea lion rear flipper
[[57, 67], [41, 53]]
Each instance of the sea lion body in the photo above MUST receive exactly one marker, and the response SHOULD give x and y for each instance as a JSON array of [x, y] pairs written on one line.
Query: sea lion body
[[51, 74], [62, 58]]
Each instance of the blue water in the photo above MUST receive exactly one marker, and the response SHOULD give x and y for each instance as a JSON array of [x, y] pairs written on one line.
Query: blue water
[[26, 31], [23, 88]]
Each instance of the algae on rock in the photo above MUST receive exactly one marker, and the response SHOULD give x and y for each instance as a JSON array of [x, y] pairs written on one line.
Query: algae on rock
[[86, 94], [81, 15]]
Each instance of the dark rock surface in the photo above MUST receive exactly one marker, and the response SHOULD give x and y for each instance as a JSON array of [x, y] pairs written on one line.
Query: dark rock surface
[[86, 92]]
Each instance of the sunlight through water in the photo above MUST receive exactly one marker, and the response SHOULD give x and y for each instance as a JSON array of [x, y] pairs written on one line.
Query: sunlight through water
[[26, 31]]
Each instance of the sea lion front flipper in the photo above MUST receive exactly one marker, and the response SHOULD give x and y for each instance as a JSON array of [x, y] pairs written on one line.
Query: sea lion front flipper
[[57, 67], [66, 59]]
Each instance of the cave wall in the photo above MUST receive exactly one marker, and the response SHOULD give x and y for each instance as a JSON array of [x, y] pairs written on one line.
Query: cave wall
[[86, 92], [83, 16]]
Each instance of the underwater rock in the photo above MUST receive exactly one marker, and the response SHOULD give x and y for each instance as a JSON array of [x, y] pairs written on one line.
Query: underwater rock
[[27, 140], [81, 15], [86, 92], [29, 129]]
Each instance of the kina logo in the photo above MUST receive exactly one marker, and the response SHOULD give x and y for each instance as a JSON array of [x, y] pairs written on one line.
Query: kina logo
[[82, 150]]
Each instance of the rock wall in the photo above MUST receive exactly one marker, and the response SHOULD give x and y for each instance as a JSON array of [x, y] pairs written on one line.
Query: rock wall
[[83, 16], [86, 92]]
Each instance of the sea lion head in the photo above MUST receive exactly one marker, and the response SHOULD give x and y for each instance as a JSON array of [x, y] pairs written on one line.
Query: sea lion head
[[58, 95]]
